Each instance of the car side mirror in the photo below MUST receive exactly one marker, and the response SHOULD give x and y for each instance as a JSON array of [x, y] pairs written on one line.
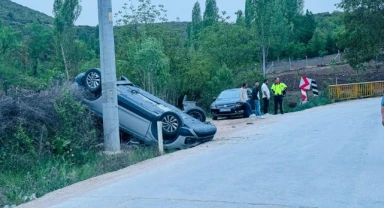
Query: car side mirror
[[213, 99]]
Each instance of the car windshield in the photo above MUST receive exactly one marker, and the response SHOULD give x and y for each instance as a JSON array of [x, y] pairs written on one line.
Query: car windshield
[[230, 94]]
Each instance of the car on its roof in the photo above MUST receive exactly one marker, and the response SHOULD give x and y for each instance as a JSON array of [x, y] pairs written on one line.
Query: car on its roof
[[139, 112], [228, 104]]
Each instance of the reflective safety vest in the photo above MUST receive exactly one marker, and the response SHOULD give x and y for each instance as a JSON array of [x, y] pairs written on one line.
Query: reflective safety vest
[[278, 89]]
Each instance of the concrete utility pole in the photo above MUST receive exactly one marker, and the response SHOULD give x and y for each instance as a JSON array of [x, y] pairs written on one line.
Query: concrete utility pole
[[108, 77]]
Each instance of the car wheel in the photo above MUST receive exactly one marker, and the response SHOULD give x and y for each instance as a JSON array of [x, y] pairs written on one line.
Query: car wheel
[[171, 123], [214, 118], [93, 80], [197, 113]]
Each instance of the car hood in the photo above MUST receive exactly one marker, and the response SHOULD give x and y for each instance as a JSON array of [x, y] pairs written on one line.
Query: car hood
[[226, 101]]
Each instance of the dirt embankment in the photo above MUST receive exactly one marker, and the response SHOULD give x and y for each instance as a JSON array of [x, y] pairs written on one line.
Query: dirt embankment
[[330, 75]]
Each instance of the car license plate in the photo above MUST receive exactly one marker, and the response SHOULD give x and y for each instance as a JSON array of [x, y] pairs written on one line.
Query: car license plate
[[225, 110]]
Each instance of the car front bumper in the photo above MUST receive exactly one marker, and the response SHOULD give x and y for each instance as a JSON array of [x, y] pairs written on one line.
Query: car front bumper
[[232, 112], [189, 137]]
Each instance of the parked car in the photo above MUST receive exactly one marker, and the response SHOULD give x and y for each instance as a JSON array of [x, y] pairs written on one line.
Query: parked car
[[139, 112], [190, 108], [228, 104]]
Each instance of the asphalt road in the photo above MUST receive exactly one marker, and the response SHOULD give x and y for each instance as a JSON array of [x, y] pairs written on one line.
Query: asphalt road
[[331, 156]]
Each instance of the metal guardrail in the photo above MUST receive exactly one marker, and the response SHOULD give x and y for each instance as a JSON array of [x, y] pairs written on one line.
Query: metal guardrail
[[356, 90]]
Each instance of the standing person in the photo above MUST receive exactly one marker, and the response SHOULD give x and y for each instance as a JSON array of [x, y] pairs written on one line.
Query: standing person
[[256, 99], [266, 96], [278, 89], [382, 111], [244, 99]]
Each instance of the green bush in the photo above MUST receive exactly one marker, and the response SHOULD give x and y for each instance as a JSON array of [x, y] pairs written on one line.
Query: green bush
[[48, 141], [49, 123], [76, 134]]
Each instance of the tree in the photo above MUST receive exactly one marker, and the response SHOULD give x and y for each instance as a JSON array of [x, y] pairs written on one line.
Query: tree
[[239, 17], [139, 23], [211, 13], [292, 9], [145, 15], [228, 44], [269, 25], [364, 29], [305, 26], [196, 19], [152, 67], [66, 13], [317, 45], [8, 43], [196, 24], [249, 12], [39, 44]]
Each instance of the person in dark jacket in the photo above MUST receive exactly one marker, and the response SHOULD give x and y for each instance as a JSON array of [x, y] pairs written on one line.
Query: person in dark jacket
[[256, 99]]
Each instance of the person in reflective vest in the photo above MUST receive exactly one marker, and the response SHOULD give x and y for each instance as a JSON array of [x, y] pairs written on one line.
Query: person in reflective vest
[[279, 89]]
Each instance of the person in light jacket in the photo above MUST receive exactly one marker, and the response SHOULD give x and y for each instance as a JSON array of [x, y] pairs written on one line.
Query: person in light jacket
[[266, 96], [245, 100]]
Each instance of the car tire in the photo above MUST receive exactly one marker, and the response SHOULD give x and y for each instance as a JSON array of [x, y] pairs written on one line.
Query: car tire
[[197, 113], [92, 80], [171, 123], [214, 118]]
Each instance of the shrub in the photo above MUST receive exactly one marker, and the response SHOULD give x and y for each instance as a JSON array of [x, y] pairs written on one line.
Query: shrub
[[45, 137], [47, 123]]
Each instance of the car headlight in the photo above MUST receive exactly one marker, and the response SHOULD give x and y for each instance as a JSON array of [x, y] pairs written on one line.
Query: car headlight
[[238, 105], [213, 107]]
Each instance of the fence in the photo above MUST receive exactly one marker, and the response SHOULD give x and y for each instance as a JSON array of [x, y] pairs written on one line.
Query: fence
[[286, 65], [357, 90]]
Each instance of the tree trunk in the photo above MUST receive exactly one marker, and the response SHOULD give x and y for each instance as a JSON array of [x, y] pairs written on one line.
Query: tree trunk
[[65, 61], [264, 72]]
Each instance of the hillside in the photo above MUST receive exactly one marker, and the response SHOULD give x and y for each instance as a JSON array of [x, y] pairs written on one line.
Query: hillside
[[17, 16], [331, 75]]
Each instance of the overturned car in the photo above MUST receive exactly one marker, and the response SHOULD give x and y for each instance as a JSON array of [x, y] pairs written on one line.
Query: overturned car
[[139, 112]]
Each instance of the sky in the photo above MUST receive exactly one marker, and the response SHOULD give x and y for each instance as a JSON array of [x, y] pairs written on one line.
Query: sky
[[175, 8]]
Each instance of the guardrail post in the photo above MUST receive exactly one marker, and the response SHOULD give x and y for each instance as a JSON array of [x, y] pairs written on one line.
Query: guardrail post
[[338, 92], [160, 137], [372, 90]]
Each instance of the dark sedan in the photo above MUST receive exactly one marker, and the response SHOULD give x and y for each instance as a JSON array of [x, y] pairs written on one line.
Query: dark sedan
[[228, 104]]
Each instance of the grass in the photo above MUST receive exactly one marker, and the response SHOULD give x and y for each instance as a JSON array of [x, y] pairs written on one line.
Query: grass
[[48, 175], [292, 102]]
